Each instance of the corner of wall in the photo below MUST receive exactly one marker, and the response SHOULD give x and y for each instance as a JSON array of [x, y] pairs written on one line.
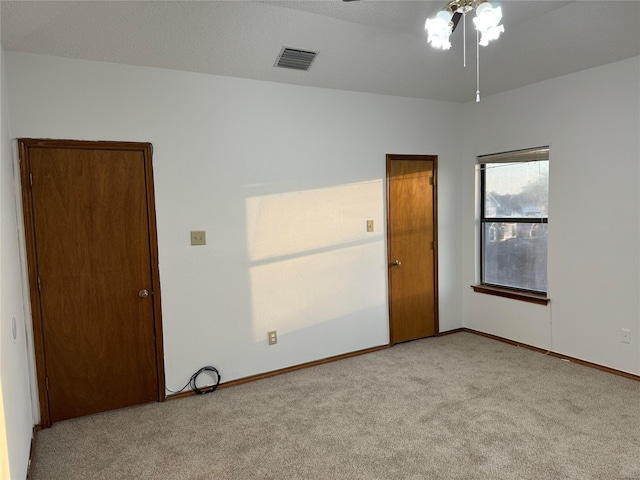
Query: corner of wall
[[16, 423]]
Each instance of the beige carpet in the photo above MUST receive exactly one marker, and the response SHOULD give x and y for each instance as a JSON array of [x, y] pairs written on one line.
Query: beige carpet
[[455, 407]]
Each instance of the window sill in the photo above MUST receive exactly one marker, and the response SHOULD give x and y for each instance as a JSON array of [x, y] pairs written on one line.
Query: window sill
[[540, 299]]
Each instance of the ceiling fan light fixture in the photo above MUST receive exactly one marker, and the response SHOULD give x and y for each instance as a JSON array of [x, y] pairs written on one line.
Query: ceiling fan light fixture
[[439, 29], [487, 19], [492, 33], [487, 22]]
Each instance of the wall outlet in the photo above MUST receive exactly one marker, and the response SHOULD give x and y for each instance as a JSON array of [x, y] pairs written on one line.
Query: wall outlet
[[625, 335], [273, 337], [198, 237]]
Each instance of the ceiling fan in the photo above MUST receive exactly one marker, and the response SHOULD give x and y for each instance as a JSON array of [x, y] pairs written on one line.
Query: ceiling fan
[[457, 8], [487, 21]]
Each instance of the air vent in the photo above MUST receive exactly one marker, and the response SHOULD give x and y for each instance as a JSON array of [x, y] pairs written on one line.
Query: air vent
[[295, 58]]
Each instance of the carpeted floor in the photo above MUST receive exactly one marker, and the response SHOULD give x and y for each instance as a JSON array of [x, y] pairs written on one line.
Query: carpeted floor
[[454, 407]]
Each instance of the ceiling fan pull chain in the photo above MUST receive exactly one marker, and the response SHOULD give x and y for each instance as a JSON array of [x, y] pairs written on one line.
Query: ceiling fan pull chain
[[477, 66], [464, 39]]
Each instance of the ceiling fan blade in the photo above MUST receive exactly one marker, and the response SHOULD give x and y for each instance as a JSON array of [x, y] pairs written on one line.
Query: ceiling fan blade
[[455, 19]]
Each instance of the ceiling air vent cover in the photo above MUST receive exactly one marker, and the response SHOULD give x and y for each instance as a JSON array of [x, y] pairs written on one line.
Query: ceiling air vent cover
[[295, 58]]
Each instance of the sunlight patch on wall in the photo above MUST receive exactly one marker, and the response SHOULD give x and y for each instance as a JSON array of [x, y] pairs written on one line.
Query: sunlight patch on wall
[[312, 260], [289, 223], [298, 293]]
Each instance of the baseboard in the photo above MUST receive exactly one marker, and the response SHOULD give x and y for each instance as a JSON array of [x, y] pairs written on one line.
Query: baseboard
[[553, 354], [451, 332], [281, 371], [36, 428]]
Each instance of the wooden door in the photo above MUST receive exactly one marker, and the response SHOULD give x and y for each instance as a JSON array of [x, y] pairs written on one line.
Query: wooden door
[[412, 258], [92, 255]]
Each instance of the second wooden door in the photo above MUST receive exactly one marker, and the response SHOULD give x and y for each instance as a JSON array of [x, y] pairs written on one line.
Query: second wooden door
[[412, 247]]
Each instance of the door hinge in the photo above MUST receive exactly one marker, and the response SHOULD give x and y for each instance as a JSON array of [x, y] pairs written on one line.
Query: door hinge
[[431, 180], [39, 284], [433, 245], [46, 381], [30, 179]]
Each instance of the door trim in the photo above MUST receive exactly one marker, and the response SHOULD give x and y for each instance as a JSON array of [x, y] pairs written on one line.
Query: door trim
[[32, 269], [434, 159]]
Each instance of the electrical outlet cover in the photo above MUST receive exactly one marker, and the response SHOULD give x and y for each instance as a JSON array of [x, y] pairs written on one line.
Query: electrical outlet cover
[[198, 237], [625, 335]]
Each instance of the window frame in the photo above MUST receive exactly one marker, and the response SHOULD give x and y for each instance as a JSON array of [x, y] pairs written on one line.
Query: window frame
[[517, 156]]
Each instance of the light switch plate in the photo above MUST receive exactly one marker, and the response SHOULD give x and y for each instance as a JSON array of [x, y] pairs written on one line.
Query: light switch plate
[[198, 237], [369, 225]]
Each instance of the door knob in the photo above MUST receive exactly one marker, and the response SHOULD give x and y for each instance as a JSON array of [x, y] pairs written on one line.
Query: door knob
[[143, 293], [397, 263]]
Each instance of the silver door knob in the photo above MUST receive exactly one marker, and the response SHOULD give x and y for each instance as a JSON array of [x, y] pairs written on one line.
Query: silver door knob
[[397, 263], [143, 293]]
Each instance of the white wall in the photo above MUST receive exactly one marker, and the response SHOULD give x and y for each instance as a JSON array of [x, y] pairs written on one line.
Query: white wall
[[282, 178], [15, 399], [591, 122]]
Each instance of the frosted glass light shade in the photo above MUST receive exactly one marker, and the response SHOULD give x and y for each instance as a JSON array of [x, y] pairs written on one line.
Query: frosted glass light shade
[[491, 34], [439, 29], [487, 19]]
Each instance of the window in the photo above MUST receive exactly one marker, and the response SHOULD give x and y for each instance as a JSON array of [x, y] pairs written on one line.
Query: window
[[514, 190]]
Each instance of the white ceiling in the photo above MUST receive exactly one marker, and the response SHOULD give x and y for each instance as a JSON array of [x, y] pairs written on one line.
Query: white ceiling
[[368, 45]]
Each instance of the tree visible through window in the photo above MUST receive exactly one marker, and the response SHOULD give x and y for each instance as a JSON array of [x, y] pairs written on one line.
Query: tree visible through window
[[514, 218]]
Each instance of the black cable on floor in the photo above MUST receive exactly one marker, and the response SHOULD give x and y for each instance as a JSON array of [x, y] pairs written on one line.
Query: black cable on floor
[[194, 387], [192, 381]]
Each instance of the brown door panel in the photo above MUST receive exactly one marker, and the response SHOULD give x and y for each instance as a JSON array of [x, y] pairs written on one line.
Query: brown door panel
[[411, 217], [93, 247]]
